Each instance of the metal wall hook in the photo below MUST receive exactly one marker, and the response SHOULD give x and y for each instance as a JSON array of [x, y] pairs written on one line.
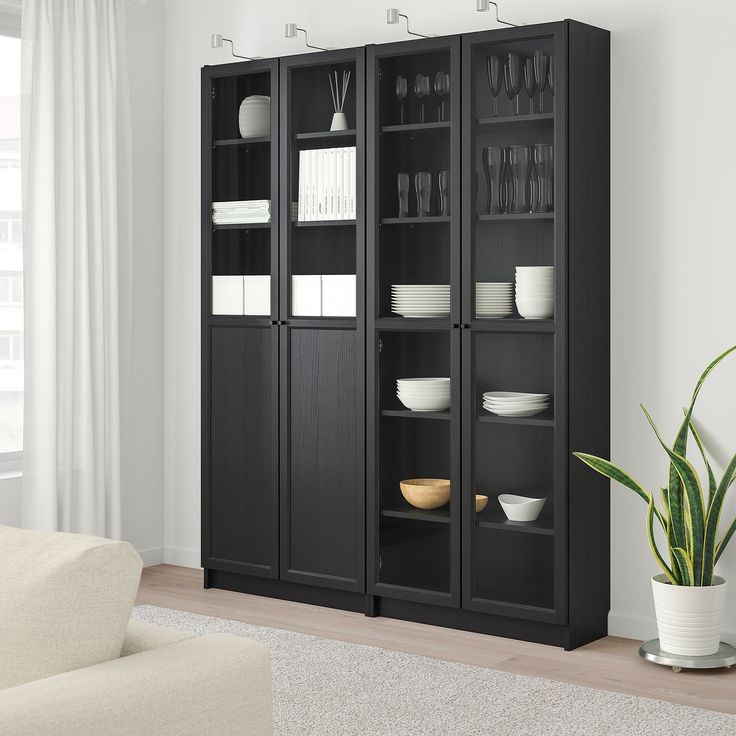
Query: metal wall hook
[[392, 18], [483, 6], [216, 40], [290, 31]]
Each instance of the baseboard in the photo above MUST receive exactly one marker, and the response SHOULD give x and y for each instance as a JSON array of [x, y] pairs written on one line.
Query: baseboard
[[644, 628], [182, 557], [153, 556]]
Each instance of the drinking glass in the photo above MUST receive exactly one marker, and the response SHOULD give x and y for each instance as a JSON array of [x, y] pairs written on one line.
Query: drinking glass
[[530, 82], [541, 69], [494, 158], [423, 191], [401, 90], [421, 90], [551, 79], [403, 187], [442, 92], [519, 169], [443, 182], [543, 155], [514, 79], [494, 67]]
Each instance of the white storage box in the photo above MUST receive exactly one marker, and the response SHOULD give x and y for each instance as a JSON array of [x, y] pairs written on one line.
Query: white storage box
[[306, 295], [338, 295], [257, 295], [227, 295]]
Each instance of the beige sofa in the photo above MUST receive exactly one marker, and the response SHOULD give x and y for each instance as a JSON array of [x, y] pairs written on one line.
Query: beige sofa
[[159, 683]]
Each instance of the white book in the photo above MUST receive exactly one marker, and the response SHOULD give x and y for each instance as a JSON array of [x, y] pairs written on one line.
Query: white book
[[351, 184], [319, 208], [325, 195], [309, 186], [339, 183], [302, 178], [346, 183], [332, 204]]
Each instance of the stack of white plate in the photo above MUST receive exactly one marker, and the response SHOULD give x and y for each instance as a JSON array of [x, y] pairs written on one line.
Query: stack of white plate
[[535, 291], [493, 299], [424, 394], [255, 116], [514, 404], [420, 300]]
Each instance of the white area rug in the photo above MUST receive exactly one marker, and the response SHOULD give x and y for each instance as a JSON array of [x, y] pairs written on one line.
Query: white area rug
[[333, 688]]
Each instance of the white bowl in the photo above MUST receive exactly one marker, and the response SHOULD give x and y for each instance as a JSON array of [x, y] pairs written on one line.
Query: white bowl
[[521, 508], [535, 269], [431, 379], [517, 412], [514, 396], [429, 404]]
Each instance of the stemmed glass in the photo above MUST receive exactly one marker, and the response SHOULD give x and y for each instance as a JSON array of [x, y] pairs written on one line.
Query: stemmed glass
[[442, 92], [401, 90], [494, 66], [530, 83], [513, 78], [422, 90], [541, 67], [551, 79]]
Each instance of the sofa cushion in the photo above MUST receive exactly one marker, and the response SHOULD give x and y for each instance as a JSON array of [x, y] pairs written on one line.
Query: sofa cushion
[[65, 601]]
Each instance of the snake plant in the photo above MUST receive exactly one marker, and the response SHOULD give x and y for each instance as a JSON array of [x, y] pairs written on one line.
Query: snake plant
[[688, 519]]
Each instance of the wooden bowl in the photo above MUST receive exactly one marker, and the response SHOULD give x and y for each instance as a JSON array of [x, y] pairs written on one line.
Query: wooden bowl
[[426, 493], [480, 502]]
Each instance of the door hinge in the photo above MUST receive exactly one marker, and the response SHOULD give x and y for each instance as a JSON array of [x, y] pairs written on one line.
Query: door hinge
[[380, 562], [380, 345]]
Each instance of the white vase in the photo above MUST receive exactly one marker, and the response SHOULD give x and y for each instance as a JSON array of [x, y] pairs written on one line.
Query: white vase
[[689, 618], [339, 121]]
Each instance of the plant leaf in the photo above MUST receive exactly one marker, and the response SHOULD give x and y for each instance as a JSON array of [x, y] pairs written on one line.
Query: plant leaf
[[690, 481], [680, 448], [725, 539], [684, 564], [711, 523], [607, 468], [711, 476], [651, 509], [670, 536]]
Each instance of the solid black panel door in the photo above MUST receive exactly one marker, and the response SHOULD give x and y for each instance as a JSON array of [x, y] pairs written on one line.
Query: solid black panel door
[[322, 493], [243, 466]]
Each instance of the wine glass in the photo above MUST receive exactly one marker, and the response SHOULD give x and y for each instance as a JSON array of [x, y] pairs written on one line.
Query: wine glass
[[513, 78], [541, 68], [401, 89], [442, 92], [530, 82], [422, 90], [494, 66], [551, 79]]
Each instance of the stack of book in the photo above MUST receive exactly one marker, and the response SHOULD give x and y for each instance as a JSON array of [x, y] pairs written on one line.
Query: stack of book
[[242, 212], [327, 184]]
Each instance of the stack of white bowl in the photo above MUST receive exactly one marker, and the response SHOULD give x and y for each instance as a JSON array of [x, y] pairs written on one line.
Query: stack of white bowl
[[420, 300], [424, 394], [514, 403], [535, 291], [493, 299], [255, 116]]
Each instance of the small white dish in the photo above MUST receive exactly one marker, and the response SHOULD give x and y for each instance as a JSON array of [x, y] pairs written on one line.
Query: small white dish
[[521, 508]]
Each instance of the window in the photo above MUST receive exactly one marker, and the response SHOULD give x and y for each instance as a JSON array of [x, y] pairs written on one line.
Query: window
[[11, 252]]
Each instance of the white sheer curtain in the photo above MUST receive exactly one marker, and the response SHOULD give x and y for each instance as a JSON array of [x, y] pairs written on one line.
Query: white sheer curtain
[[77, 214]]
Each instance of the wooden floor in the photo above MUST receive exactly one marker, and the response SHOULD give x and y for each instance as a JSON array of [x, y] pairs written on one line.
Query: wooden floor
[[610, 664]]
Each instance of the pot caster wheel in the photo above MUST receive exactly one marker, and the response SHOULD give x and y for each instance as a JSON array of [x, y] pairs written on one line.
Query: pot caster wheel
[[677, 669]]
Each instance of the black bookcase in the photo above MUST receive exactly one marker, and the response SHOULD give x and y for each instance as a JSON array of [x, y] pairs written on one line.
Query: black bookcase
[[304, 439]]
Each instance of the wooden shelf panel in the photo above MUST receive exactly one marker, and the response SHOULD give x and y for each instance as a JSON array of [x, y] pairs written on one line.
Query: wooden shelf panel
[[408, 414], [323, 223], [487, 519], [243, 226], [413, 324], [513, 324], [325, 135], [437, 516], [545, 119], [437, 127], [544, 419], [415, 220], [511, 217], [255, 141], [343, 323]]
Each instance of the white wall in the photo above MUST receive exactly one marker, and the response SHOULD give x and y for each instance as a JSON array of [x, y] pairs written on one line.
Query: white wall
[[673, 252]]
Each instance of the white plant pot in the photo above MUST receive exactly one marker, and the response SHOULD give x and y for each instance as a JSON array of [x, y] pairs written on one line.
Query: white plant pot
[[689, 618], [339, 121]]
